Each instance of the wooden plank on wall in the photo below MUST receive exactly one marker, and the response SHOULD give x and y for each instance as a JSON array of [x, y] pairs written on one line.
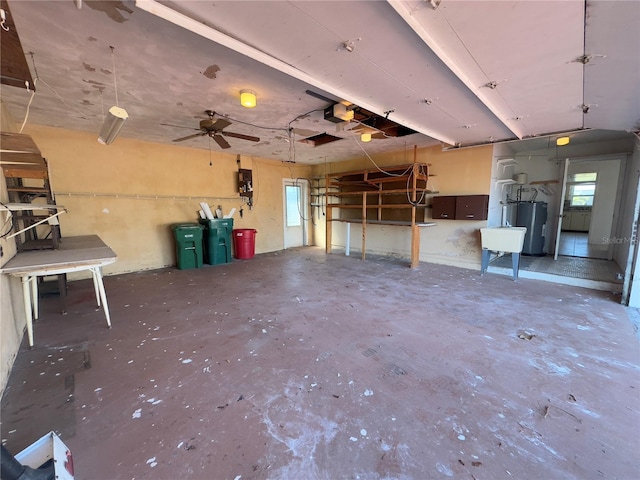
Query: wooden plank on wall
[[21, 156]]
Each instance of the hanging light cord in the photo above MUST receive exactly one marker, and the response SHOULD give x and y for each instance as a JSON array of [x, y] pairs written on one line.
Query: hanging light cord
[[115, 80]]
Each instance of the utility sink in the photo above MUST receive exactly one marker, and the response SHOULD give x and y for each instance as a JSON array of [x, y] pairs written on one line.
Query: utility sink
[[503, 239]]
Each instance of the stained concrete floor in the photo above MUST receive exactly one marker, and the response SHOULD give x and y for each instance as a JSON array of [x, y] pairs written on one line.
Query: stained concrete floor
[[298, 365]]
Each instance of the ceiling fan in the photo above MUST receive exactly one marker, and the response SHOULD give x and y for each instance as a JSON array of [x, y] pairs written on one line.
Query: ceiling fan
[[214, 128]]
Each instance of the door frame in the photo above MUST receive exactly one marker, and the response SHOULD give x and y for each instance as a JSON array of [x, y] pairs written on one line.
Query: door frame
[[304, 208], [617, 200], [631, 292], [561, 212]]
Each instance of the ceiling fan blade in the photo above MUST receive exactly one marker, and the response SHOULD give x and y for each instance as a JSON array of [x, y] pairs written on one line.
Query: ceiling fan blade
[[188, 137], [221, 141], [241, 136], [219, 124]]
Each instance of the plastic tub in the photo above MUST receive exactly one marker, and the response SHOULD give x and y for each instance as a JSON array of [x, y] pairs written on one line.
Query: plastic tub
[[244, 243]]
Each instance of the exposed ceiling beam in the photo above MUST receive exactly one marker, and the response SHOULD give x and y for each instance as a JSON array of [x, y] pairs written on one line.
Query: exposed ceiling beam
[[177, 18], [476, 88]]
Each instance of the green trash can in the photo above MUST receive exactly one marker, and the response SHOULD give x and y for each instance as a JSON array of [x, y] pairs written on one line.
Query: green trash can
[[189, 252], [217, 240]]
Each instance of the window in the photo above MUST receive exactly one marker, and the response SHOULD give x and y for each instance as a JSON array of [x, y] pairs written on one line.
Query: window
[[292, 194], [581, 188]]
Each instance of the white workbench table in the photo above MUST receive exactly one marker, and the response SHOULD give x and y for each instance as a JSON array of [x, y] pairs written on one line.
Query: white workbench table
[[74, 254]]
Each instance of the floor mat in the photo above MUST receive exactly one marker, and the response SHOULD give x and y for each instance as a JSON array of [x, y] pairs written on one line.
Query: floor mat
[[575, 267]]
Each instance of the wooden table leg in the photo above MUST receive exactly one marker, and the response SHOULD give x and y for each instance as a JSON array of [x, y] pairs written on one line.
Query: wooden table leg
[[96, 289], [26, 294], [347, 248], [328, 231], [62, 289], [103, 295], [34, 296]]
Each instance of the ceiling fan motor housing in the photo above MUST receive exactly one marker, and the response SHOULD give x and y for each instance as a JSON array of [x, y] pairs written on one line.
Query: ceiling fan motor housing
[[207, 124]]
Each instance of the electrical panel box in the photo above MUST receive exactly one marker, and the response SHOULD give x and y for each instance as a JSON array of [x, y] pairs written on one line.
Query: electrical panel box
[[245, 185]]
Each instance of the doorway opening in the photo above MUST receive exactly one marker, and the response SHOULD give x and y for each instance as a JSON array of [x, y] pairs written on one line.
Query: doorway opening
[[582, 226], [577, 217], [296, 212]]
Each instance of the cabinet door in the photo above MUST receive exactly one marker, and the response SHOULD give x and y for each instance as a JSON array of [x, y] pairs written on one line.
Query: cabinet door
[[567, 221], [472, 207], [443, 208], [586, 221]]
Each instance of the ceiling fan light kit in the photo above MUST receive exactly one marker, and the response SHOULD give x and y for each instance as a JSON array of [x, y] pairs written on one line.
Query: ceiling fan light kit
[[248, 98], [113, 123], [116, 116]]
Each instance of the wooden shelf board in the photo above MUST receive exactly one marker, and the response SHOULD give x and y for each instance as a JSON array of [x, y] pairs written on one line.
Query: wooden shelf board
[[28, 189], [375, 181], [397, 191], [396, 223], [358, 206], [18, 207], [394, 168]]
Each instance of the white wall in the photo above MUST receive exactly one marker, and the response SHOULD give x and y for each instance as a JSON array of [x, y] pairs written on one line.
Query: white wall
[[542, 166], [503, 167]]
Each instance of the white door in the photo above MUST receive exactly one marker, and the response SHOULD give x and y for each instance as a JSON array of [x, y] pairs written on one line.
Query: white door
[[561, 213], [296, 212]]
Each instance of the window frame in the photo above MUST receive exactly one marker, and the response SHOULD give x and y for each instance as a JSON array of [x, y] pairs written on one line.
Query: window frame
[[572, 195]]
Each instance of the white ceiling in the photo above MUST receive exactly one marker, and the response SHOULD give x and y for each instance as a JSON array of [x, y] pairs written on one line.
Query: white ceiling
[[429, 66]]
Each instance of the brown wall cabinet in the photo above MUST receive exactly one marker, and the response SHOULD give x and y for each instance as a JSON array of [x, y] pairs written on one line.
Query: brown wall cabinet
[[460, 207], [443, 208]]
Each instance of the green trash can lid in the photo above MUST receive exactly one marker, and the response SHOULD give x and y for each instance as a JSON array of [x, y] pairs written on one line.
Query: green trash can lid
[[184, 226]]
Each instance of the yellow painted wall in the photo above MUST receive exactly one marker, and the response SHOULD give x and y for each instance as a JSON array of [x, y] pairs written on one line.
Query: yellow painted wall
[[131, 192], [451, 242]]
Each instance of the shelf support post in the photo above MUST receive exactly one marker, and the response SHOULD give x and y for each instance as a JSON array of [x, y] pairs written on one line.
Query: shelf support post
[[364, 223], [328, 221], [415, 231]]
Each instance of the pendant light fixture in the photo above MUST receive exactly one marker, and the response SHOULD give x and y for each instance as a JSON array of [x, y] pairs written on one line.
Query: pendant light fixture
[[116, 116], [248, 98]]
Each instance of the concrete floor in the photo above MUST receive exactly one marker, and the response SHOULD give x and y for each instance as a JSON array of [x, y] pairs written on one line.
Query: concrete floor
[[298, 365]]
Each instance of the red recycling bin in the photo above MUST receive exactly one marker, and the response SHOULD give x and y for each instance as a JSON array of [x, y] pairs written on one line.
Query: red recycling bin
[[244, 243]]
